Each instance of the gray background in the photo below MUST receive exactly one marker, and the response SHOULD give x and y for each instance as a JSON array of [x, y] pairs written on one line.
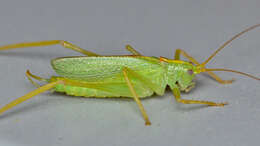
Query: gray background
[[155, 28]]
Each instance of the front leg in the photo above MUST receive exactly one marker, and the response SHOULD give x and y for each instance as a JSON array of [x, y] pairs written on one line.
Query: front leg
[[179, 52], [177, 94]]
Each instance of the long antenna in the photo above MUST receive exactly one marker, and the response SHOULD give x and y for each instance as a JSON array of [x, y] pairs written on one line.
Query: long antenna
[[227, 42], [234, 71]]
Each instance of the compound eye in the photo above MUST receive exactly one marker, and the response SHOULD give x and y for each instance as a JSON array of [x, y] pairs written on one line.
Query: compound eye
[[190, 72]]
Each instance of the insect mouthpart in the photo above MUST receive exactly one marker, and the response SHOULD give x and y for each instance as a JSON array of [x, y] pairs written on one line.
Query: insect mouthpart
[[192, 85], [187, 88]]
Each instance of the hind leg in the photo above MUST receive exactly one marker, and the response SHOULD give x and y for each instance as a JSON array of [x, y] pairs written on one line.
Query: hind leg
[[65, 44], [30, 95]]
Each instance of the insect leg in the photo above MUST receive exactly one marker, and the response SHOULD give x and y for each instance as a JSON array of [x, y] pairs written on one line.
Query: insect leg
[[30, 76], [144, 80], [132, 50], [29, 95], [136, 98], [179, 52], [177, 94], [65, 44], [218, 79]]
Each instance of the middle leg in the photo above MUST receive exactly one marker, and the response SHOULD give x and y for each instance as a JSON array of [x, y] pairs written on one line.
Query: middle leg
[[136, 98], [132, 50]]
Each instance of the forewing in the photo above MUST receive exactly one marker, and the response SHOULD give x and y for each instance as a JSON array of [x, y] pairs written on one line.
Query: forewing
[[99, 68]]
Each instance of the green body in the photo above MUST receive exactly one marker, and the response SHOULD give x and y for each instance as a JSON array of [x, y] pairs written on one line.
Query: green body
[[105, 77], [131, 76]]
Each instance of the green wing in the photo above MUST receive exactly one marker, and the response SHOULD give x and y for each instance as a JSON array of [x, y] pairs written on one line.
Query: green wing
[[98, 68], [109, 69]]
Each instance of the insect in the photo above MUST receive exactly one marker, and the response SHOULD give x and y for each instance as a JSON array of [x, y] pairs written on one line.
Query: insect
[[134, 76]]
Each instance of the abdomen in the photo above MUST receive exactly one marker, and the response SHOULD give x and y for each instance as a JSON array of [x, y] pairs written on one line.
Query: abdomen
[[104, 89]]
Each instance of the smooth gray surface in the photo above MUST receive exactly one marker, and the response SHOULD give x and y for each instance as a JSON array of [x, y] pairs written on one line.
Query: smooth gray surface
[[157, 27]]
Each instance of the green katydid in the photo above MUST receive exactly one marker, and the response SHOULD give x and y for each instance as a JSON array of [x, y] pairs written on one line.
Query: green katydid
[[135, 76]]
